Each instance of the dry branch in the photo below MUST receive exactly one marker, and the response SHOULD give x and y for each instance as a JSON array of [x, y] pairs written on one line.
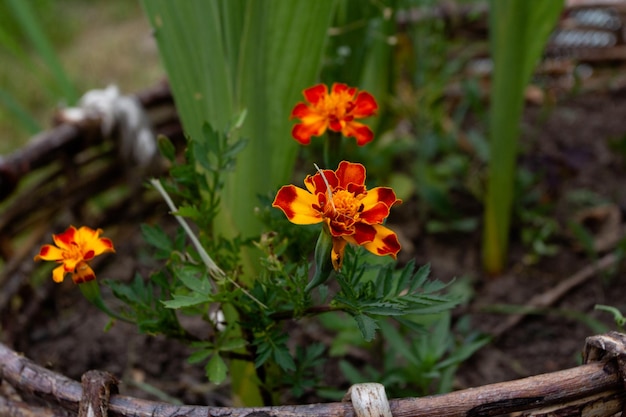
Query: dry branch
[[554, 294], [596, 388], [21, 409]]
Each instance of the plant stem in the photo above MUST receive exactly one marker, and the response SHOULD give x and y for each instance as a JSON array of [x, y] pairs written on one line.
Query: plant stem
[[332, 149], [311, 311]]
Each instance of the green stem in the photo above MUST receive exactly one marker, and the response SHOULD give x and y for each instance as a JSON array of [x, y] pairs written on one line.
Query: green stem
[[323, 262], [332, 149], [311, 311], [620, 320], [91, 291]]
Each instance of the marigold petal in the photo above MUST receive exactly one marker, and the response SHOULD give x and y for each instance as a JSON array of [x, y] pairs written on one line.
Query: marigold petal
[[300, 111], [49, 253], [362, 133], [339, 88], [302, 132], [363, 234], [336, 125], [297, 204], [381, 194], [338, 228], [97, 247], [350, 173], [66, 239], [91, 244], [316, 184], [316, 93], [301, 136], [58, 274], [85, 233], [69, 264], [336, 254], [83, 273], [364, 105], [375, 214], [385, 241]]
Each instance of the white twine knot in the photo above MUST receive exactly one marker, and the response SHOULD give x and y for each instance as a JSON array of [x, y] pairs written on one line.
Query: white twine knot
[[369, 400], [137, 142]]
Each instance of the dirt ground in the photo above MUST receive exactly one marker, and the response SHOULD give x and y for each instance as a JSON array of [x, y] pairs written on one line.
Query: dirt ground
[[574, 144]]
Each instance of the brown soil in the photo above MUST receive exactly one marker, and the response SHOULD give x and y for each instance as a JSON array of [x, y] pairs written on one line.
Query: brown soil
[[572, 144]]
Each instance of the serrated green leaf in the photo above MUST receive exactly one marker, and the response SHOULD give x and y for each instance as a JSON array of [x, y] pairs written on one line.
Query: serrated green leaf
[[181, 301], [235, 148], [155, 236], [420, 277], [189, 212], [367, 326], [382, 310], [216, 369], [189, 277], [351, 373], [160, 279], [430, 309], [232, 344], [262, 355], [166, 147], [463, 352], [283, 358], [200, 355], [398, 343]]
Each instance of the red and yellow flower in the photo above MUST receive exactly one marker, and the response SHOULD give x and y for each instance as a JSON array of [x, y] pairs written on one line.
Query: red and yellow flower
[[350, 212], [74, 247], [336, 111]]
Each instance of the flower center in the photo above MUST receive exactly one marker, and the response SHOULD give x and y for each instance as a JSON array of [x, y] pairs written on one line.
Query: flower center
[[344, 207], [336, 106], [74, 252]]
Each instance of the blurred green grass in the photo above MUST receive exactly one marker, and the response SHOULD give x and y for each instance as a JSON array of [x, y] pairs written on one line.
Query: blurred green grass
[[98, 43]]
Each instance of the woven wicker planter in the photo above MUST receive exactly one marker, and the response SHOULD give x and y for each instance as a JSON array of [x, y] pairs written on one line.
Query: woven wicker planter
[[593, 389]]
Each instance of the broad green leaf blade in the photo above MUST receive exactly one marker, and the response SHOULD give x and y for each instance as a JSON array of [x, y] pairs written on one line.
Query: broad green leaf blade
[[226, 56], [519, 30], [276, 48], [280, 55]]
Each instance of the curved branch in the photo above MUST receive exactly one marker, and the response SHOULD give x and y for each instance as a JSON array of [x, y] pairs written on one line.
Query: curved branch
[[596, 386]]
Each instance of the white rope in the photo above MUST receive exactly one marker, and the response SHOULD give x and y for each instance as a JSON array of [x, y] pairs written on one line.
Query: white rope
[[369, 400], [137, 142]]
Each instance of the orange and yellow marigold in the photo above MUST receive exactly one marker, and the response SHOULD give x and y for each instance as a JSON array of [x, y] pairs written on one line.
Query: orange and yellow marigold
[[350, 212], [336, 111], [74, 247]]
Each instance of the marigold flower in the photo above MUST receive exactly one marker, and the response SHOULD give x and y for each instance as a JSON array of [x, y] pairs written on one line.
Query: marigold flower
[[351, 213], [74, 247], [336, 111]]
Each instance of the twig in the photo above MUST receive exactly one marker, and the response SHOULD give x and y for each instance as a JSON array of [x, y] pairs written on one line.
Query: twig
[[97, 389], [554, 294], [596, 387], [214, 270], [22, 409]]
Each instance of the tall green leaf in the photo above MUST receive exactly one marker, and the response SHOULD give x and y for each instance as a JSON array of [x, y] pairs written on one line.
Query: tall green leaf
[[226, 56], [519, 30]]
